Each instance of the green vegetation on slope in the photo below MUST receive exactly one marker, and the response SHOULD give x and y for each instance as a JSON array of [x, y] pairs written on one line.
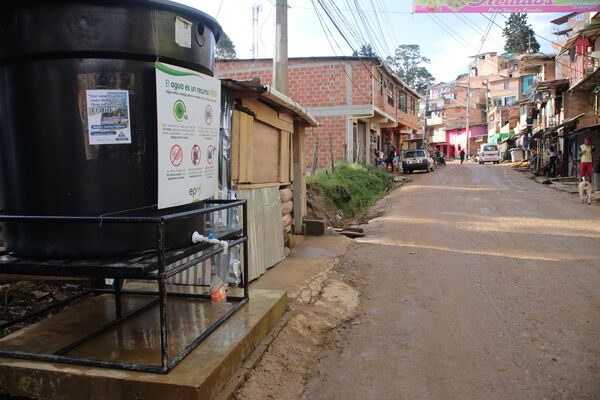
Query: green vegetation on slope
[[352, 188]]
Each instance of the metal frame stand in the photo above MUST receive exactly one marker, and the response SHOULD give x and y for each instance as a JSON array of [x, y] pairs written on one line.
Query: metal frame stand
[[151, 267]]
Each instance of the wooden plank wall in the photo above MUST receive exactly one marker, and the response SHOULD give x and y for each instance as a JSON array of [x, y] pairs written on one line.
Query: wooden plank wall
[[261, 148], [266, 153]]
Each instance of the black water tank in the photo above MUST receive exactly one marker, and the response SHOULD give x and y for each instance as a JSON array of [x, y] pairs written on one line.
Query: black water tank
[[50, 54]]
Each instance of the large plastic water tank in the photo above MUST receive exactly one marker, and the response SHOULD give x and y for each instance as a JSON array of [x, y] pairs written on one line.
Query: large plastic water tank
[[51, 52]]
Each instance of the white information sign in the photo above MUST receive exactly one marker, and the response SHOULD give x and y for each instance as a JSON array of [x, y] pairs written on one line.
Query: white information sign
[[188, 107], [108, 116]]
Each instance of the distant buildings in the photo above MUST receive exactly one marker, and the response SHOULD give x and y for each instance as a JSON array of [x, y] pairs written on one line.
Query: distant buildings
[[532, 101], [494, 82]]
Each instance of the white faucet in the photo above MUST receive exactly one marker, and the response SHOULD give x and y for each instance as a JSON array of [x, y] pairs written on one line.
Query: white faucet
[[198, 238]]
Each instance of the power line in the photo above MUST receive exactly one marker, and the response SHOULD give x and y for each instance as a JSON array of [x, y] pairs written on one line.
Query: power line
[[326, 30], [449, 32], [219, 10], [328, 13], [354, 10]]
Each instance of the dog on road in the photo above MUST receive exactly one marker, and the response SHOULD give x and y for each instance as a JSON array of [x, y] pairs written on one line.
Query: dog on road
[[585, 191]]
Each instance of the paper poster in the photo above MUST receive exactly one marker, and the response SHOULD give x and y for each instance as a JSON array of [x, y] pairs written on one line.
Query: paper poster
[[183, 32], [504, 6], [188, 107], [108, 116]]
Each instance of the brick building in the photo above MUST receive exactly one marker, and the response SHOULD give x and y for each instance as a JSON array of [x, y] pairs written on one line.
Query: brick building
[[361, 104], [447, 116]]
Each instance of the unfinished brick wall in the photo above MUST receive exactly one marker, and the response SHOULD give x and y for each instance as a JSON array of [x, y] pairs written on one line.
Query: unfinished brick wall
[[324, 83], [333, 128], [314, 84], [497, 88], [458, 116], [362, 83], [549, 71], [576, 103]]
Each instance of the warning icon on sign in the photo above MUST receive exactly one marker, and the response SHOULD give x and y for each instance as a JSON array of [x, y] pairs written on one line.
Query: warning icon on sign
[[176, 155], [210, 154], [196, 154]]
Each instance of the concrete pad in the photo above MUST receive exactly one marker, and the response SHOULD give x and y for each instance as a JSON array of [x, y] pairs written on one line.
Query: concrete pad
[[306, 260], [201, 375]]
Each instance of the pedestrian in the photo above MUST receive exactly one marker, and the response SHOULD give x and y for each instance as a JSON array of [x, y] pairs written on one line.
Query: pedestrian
[[390, 159], [551, 162], [462, 156], [585, 151], [559, 163], [379, 159]]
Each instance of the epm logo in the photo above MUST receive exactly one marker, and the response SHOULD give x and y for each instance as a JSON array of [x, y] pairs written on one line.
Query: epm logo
[[195, 191], [179, 111]]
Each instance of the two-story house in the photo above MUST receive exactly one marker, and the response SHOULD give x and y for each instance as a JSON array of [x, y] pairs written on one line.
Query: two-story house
[[360, 102]]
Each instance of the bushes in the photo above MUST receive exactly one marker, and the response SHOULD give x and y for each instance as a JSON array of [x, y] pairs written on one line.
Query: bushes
[[352, 188]]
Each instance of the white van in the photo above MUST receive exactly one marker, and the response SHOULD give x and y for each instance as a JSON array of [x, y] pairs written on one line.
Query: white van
[[489, 152]]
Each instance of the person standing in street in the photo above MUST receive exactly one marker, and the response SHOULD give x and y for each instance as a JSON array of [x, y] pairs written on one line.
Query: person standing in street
[[462, 156], [551, 162], [390, 159], [585, 151]]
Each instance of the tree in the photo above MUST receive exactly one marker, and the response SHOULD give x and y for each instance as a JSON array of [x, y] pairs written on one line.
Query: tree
[[407, 64], [225, 49], [520, 37], [366, 50]]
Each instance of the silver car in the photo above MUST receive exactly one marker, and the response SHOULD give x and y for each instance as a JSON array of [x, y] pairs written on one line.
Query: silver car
[[415, 160]]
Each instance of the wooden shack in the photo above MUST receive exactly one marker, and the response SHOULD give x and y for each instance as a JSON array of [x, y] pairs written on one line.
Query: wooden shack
[[268, 167]]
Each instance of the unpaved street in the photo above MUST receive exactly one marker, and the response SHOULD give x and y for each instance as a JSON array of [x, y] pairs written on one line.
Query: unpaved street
[[478, 284]]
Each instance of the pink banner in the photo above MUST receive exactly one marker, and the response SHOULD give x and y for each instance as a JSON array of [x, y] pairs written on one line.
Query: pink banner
[[505, 6]]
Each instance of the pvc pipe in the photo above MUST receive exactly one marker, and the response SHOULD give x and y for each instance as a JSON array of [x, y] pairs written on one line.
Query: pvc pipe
[[198, 238]]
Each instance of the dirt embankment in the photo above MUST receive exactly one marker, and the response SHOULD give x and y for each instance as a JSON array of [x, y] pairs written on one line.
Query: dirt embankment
[[325, 303]]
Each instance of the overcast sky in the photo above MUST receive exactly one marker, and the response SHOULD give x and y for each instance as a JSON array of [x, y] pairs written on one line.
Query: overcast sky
[[449, 55]]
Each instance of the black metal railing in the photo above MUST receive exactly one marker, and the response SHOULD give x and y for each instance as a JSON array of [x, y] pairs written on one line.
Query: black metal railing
[[157, 266]]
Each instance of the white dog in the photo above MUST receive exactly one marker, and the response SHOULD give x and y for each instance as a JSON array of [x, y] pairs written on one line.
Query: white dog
[[585, 191]]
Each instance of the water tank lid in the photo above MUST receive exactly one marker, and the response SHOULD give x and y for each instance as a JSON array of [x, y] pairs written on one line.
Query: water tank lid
[[212, 23]]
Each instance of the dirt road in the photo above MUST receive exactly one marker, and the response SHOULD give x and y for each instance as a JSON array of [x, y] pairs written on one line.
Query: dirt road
[[478, 284]]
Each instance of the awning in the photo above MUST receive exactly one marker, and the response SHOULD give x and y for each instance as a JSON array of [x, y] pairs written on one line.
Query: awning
[[585, 129], [551, 83], [382, 118], [585, 32], [569, 121], [408, 124], [589, 82]]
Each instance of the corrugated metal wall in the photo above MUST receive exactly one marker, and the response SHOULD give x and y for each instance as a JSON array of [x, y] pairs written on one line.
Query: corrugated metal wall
[[264, 229]]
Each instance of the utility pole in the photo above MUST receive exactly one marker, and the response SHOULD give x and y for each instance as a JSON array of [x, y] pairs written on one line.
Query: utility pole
[[425, 115], [256, 9], [280, 56], [468, 109]]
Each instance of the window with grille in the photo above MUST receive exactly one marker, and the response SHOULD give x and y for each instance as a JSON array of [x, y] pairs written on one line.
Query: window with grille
[[402, 100]]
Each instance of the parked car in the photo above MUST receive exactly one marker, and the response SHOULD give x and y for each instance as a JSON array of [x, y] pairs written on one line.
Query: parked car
[[415, 160], [489, 152]]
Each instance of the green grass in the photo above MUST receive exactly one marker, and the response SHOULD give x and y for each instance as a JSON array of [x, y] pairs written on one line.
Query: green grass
[[352, 188]]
